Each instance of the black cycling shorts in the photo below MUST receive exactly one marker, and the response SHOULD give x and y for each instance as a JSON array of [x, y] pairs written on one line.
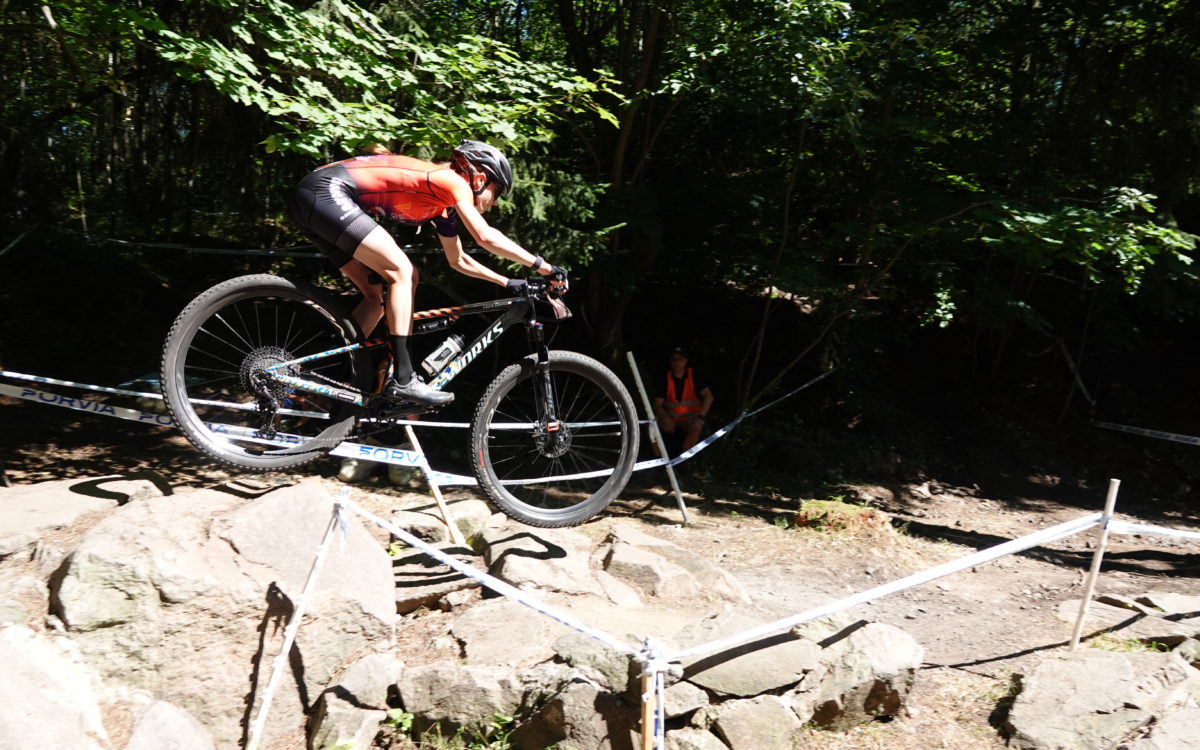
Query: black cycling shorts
[[325, 207]]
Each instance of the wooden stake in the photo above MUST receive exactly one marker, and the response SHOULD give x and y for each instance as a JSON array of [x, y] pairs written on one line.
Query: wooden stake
[[456, 536], [1110, 503]]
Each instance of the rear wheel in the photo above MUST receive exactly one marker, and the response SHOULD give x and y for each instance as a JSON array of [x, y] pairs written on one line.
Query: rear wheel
[[215, 382], [561, 473]]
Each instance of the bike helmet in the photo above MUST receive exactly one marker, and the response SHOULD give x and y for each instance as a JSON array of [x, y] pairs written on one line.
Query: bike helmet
[[469, 156]]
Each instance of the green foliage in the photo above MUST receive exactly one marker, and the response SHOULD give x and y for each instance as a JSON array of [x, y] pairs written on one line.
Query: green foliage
[[333, 74]]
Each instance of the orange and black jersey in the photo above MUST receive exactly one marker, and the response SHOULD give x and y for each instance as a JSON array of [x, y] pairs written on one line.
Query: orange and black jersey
[[406, 189]]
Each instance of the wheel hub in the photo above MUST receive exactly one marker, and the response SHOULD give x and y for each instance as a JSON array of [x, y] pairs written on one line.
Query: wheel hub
[[553, 443]]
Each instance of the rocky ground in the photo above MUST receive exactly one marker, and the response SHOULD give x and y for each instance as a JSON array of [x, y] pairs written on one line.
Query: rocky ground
[[978, 627]]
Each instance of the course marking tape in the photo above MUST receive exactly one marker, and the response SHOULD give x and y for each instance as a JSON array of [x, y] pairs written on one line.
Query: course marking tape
[[1172, 436], [1045, 536], [1126, 527], [495, 584], [86, 405]]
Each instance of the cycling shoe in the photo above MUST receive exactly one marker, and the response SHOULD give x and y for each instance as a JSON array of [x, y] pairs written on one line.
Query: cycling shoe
[[416, 391]]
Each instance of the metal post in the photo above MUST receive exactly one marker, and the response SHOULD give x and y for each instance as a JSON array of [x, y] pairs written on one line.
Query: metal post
[[1110, 503], [656, 436]]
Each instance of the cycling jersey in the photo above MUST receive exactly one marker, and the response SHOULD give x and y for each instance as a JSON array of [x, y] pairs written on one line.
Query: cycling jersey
[[333, 204]]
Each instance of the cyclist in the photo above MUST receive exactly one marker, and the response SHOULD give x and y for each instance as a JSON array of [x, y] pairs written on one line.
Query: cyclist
[[333, 207]]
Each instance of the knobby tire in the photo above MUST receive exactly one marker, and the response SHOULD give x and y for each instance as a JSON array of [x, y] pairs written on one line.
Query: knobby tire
[[524, 471]]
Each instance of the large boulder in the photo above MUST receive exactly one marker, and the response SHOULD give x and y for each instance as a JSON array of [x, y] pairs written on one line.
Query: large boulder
[[348, 714], [582, 716], [868, 671], [48, 696], [665, 570], [186, 598], [164, 726], [544, 560], [764, 722], [1092, 699], [768, 664], [447, 697], [29, 512]]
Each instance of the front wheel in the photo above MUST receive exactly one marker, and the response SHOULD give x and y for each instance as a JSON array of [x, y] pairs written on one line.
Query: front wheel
[[559, 472]]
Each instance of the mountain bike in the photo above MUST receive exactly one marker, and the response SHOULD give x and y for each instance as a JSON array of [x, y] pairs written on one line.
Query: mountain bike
[[267, 373]]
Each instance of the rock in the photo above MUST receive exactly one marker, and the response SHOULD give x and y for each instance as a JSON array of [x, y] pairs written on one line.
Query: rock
[[12, 612], [165, 726], [503, 632], [683, 698], [1172, 605], [29, 512], [1092, 699], [549, 560], [424, 520], [610, 669], [1179, 730], [366, 682], [767, 664], [764, 722], [1122, 622], [1190, 651], [187, 601], [47, 695], [663, 569], [652, 573], [869, 671], [691, 738], [422, 581], [446, 697], [581, 717]]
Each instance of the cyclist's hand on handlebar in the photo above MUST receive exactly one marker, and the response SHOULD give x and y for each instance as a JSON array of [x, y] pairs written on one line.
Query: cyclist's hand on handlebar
[[517, 286], [559, 280]]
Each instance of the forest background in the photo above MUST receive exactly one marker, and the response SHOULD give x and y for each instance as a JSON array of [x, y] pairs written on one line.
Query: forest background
[[983, 214]]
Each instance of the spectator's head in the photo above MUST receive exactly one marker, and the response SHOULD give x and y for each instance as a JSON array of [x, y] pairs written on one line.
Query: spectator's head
[[678, 360]]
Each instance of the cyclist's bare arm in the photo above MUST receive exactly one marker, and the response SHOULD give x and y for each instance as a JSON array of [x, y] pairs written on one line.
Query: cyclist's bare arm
[[492, 239], [465, 264]]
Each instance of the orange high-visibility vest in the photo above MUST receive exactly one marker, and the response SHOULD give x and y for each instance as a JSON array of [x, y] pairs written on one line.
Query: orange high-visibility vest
[[679, 406]]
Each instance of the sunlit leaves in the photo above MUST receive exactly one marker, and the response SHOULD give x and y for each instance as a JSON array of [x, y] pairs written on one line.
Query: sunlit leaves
[[333, 74]]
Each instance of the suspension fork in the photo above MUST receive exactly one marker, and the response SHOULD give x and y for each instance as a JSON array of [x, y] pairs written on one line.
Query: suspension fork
[[549, 408]]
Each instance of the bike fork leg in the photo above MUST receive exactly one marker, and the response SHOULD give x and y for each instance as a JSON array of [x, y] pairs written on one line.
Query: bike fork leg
[[549, 410]]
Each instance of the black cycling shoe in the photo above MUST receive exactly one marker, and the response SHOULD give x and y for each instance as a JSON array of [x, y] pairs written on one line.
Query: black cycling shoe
[[416, 391]]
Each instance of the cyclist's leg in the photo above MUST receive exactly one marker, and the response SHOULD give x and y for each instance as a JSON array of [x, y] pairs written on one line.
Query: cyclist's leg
[[379, 252], [369, 311]]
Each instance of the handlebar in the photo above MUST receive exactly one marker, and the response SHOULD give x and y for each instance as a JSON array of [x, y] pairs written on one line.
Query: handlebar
[[542, 287]]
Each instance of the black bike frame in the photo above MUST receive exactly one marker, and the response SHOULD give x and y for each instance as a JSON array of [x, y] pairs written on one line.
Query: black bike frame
[[427, 321]]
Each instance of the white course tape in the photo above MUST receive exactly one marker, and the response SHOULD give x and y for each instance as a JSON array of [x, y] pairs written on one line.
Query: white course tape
[[495, 584], [1125, 527], [722, 432], [87, 405], [1172, 436], [400, 457], [73, 384], [1045, 536]]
